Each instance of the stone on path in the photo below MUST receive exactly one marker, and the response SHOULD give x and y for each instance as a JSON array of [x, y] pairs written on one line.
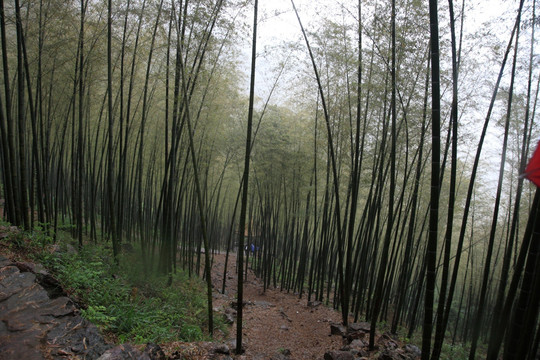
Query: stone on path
[[229, 315], [123, 352], [361, 326], [338, 355], [129, 352], [338, 329]]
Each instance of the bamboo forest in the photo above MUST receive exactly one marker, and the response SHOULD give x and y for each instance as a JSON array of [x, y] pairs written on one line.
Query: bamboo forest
[[244, 179]]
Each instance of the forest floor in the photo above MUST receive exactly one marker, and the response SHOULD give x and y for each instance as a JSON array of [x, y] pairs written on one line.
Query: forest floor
[[277, 325], [280, 325], [276, 322]]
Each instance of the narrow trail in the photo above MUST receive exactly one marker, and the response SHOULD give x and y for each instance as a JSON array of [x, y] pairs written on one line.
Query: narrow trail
[[279, 325], [276, 322]]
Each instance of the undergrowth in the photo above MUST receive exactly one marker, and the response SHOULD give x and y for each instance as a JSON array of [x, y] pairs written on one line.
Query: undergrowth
[[125, 301], [456, 351]]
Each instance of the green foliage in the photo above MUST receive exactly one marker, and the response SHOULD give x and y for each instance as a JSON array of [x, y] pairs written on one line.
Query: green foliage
[[131, 303], [457, 351], [31, 242], [454, 352], [16, 240], [66, 226], [97, 314]]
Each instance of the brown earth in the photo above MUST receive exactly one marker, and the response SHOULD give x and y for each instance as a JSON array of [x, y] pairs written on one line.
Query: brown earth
[[276, 321], [279, 325]]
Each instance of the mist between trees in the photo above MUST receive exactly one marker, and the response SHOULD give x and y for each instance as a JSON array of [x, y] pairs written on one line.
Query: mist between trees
[[384, 182]]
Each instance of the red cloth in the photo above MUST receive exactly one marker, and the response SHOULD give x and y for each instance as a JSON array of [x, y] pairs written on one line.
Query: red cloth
[[532, 172]]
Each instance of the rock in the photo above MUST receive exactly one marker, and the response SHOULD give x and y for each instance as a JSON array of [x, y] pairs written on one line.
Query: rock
[[51, 285], [351, 336], [284, 327], [4, 261], [232, 345], [314, 304], [24, 266], [338, 355], [35, 325], [361, 326], [356, 351], [13, 281], [222, 349], [264, 304], [230, 315], [124, 352], [229, 319], [230, 311], [362, 353], [154, 352], [338, 329], [357, 344], [389, 354], [384, 339], [357, 330], [79, 335], [412, 351]]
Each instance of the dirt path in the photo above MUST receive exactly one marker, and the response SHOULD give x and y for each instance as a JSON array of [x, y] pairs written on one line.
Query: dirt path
[[276, 322]]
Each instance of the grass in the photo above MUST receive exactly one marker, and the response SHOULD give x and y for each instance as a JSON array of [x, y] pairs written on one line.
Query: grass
[[125, 301]]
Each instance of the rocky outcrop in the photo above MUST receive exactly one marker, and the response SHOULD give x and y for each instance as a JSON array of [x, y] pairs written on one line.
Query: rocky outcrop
[[356, 340], [37, 320]]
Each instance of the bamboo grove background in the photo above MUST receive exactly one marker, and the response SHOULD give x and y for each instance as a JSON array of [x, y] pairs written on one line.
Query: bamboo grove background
[[125, 121]]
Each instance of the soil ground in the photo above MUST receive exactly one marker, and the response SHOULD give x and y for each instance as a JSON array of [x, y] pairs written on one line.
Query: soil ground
[[276, 321]]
